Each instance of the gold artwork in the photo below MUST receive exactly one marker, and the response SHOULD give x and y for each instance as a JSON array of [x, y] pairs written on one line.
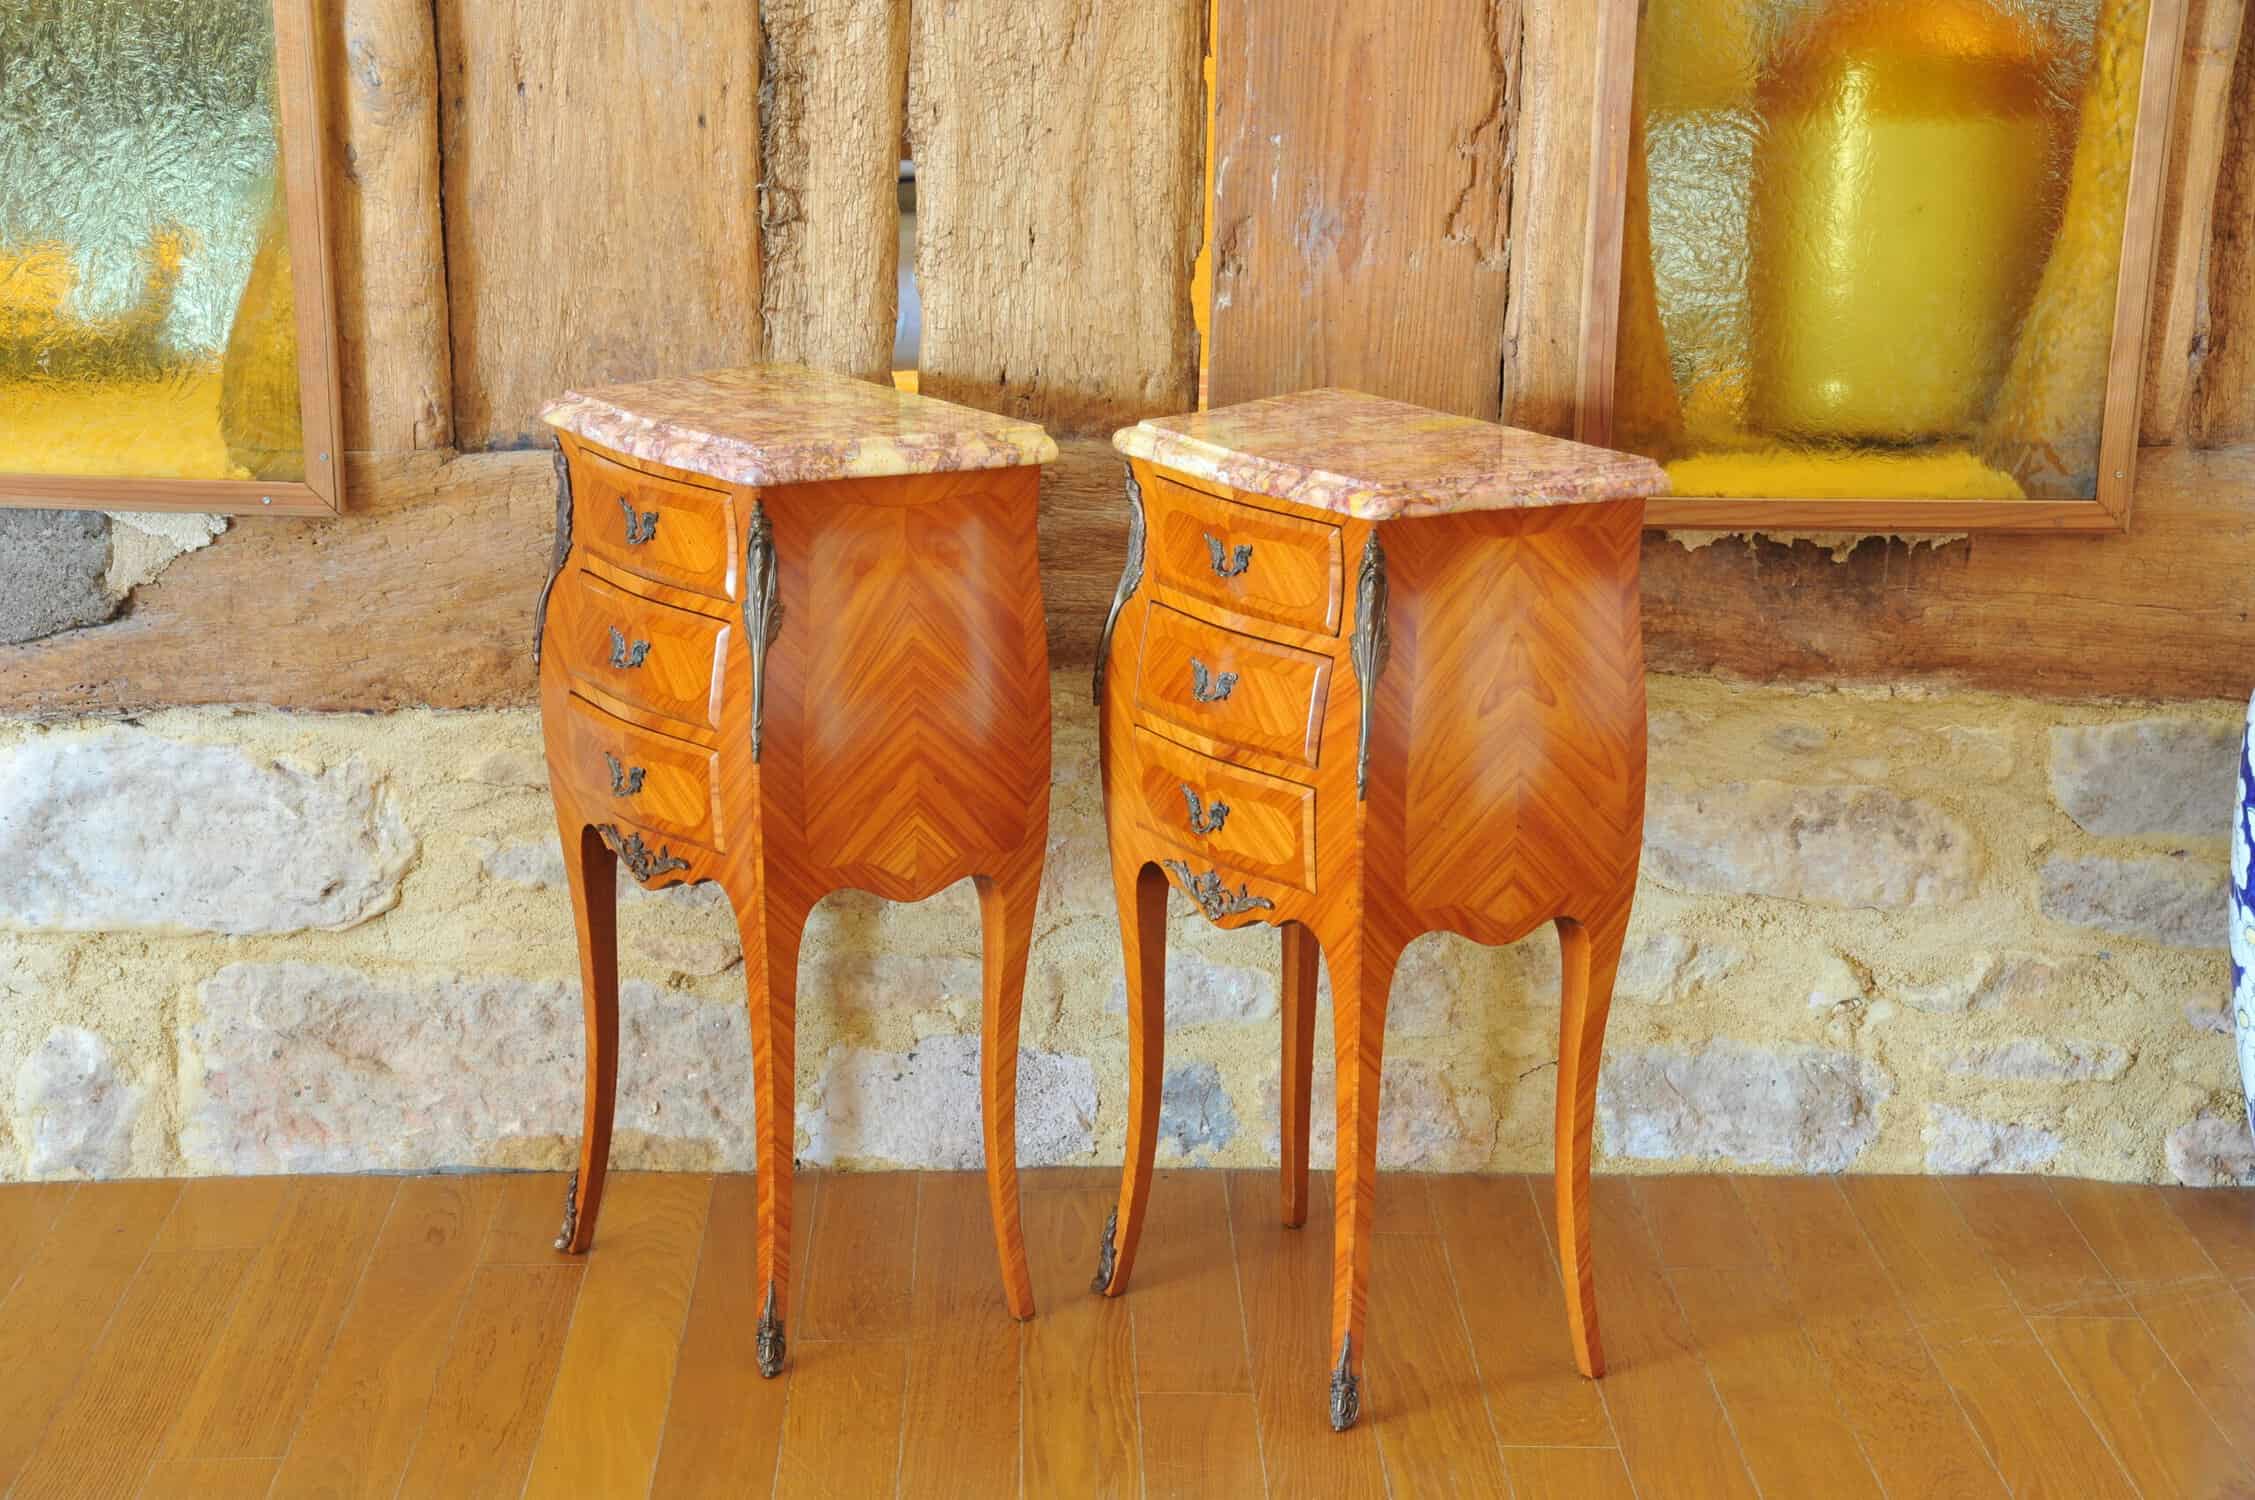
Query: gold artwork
[[147, 323], [1871, 246]]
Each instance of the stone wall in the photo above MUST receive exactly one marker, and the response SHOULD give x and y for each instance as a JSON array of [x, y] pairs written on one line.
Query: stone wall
[[1879, 931]]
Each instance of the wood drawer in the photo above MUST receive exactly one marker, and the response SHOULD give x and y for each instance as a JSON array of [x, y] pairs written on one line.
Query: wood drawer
[[1250, 561], [651, 655], [636, 776], [655, 528], [1229, 816], [1232, 687]]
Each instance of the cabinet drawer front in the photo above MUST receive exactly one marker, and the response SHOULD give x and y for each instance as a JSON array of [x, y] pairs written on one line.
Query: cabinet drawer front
[[1232, 687], [636, 777], [651, 655], [656, 528], [1229, 816], [1254, 562]]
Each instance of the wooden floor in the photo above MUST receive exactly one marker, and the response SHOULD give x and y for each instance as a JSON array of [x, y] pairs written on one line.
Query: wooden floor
[[1781, 1337]]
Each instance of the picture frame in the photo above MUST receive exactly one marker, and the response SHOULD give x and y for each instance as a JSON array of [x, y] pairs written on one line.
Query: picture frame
[[302, 180], [2106, 510]]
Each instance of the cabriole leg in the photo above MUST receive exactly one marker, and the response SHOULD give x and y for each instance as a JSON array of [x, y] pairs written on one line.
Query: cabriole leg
[[1362, 974], [1006, 919], [770, 930], [591, 870], [1142, 894], [1589, 954], [1297, 1078]]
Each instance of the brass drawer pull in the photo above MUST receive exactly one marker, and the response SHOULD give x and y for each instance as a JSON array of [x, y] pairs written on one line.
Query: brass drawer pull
[[1230, 564], [640, 526], [624, 656], [1207, 686], [1204, 819], [1215, 899], [626, 781]]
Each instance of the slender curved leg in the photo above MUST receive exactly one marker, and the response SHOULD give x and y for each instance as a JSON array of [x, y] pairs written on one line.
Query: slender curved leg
[[1298, 1075], [1006, 921], [591, 870], [1589, 953], [1362, 972], [1142, 896], [770, 929]]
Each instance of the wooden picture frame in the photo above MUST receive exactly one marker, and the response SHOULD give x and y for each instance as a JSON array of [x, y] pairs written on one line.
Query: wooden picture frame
[[303, 167], [2107, 511]]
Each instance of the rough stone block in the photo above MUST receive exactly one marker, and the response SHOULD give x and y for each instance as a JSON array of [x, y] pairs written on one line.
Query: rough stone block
[[1424, 1121], [1957, 1142], [52, 567], [883, 980], [2212, 1151], [2171, 777], [1200, 991], [297, 1067], [132, 831], [1195, 1115], [1801, 1107], [73, 1112], [1850, 846], [920, 1108], [2175, 900], [2031, 1059]]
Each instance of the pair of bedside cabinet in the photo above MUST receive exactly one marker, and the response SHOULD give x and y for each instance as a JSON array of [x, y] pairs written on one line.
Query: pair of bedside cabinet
[[1371, 671]]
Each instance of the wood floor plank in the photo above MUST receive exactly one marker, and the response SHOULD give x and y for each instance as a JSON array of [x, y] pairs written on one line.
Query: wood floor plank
[[1077, 1359], [962, 1409], [2036, 1248], [209, 1478], [2208, 1332], [1189, 1324], [841, 1433], [1674, 1437], [227, 1213], [1567, 1474], [861, 1268], [2140, 1243], [724, 1428], [63, 1300], [2144, 1409], [27, 1211], [1929, 1252], [525, 1220], [374, 1390], [608, 1411], [494, 1386], [1507, 1285], [1403, 1205], [247, 1401], [1198, 1447], [1792, 1425], [1905, 1416], [1286, 1276], [166, 1326], [2223, 1220], [1698, 1220], [1424, 1392]]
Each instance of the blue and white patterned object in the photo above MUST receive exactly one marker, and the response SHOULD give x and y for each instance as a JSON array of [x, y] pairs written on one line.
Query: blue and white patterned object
[[2243, 915]]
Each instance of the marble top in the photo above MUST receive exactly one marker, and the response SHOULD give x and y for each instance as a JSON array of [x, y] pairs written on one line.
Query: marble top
[[787, 424], [1375, 459]]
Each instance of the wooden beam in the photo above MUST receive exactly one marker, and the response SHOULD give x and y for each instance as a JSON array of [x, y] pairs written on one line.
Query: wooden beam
[[2223, 391], [1084, 525], [379, 75], [1058, 205], [1363, 199], [834, 77], [601, 189]]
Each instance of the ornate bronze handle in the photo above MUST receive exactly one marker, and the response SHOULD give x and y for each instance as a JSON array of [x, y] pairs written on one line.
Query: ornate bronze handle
[[1215, 899], [763, 612], [1206, 686], [1204, 819], [1230, 564], [638, 856], [626, 781], [624, 656], [640, 526]]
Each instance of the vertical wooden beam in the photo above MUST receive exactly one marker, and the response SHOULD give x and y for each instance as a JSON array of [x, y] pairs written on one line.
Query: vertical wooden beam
[[2223, 390], [833, 83], [379, 65], [1550, 213], [1057, 206], [1364, 212], [2197, 145], [601, 191]]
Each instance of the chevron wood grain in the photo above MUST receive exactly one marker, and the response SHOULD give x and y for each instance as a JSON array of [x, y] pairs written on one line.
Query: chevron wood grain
[[1502, 788], [902, 745]]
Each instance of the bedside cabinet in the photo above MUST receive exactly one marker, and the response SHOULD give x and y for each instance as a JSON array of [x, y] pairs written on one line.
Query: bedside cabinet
[[1373, 671], [792, 642]]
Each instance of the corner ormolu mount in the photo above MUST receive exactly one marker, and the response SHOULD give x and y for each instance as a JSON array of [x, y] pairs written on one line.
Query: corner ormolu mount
[[1107, 1253], [571, 1213], [1369, 648], [1131, 578], [767, 1342], [1346, 1390], [763, 612], [563, 549]]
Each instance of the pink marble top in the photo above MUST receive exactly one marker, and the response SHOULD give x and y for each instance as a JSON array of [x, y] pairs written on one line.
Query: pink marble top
[[786, 424], [1375, 459]]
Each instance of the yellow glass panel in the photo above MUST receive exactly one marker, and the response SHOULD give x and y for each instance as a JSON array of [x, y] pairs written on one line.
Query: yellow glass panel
[[147, 326], [1871, 245]]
